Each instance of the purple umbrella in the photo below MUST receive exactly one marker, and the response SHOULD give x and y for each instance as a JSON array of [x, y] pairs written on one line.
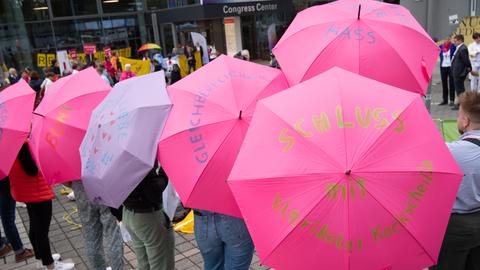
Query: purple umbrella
[[120, 145]]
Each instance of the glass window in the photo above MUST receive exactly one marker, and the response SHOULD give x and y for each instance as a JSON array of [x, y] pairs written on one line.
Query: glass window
[[26, 10], [113, 6], [40, 35], [66, 34], [62, 8], [34, 10], [16, 47], [77, 32], [157, 4], [120, 28]]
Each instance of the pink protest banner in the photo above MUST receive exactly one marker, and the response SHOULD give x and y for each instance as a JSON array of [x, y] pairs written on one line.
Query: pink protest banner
[[89, 48]]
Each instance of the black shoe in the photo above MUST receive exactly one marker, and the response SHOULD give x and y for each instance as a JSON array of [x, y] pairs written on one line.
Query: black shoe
[[455, 108], [452, 103], [443, 103]]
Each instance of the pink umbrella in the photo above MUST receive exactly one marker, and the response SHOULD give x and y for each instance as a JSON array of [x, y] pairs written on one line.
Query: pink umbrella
[[343, 172], [376, 40], [16, 106], [211, 113], [60, 123]]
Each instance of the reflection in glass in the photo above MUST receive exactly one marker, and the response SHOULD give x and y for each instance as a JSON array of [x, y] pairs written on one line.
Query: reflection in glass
[[77, 32], [62, 8], [113, 6], [12, 11], [40, 35]]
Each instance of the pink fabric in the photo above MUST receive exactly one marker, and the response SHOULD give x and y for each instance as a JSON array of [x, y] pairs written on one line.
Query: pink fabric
[[60, 123], [16, 106], [204, 131], [343, 172], [127, 75], [386, 44]]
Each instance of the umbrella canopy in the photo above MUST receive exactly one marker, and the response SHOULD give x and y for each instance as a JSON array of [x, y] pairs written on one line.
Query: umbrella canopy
[[374, 39], [343, 172], [120, 146], [60, 122], [16, 106], [212, 111], [149, 46]]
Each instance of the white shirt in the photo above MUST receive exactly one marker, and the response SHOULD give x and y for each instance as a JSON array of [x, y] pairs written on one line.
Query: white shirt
[[447, 62], [474, 52], [46, 83]]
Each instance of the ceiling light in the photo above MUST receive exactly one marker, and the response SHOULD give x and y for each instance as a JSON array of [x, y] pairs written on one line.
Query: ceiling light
[[40, 8], [110, 1]]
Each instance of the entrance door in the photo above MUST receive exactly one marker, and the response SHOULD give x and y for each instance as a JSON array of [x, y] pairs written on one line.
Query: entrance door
[[168, 37], [249, 38]]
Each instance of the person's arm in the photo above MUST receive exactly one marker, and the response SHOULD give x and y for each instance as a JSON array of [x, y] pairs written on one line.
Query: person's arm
[[154, 185], [466, 60], [27, 162]]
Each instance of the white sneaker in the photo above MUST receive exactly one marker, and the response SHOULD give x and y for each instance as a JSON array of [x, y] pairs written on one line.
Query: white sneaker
[[63, 266], [21, 205], [56, 256], [71, 196], [109, 268]]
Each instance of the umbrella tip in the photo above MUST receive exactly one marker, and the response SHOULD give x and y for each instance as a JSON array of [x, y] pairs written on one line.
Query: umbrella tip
[[348, 172], [240, 115], [359, 8]]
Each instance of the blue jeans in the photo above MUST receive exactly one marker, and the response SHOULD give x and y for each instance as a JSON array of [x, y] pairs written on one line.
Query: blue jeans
[[7, 214], [224, 241]]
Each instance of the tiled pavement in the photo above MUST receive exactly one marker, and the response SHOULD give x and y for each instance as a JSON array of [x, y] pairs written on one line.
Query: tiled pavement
[[67, 240]]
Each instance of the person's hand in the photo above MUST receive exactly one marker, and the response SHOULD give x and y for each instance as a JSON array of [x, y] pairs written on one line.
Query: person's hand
[[474, 73]]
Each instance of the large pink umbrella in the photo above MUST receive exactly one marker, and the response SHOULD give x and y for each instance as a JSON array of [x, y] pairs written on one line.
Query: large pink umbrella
[[16, 106], [60, 123], [376, 40], [212, 109], [343, 172]]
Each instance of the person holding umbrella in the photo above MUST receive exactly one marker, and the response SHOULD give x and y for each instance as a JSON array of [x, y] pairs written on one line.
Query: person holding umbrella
[[29, 186], [147, 223], [98, 226]]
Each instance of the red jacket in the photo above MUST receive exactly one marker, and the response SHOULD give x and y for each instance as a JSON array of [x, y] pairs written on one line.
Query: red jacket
[[26, 188]]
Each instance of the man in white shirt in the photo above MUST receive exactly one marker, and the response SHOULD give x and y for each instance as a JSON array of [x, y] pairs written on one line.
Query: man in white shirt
[[474, 53], [49, 77]]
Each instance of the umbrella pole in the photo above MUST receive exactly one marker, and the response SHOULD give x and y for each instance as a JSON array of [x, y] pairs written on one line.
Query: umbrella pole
[[359, 9]]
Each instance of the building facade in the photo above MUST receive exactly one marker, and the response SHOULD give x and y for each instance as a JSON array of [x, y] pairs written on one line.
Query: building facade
[[32, 31], [438, 16]]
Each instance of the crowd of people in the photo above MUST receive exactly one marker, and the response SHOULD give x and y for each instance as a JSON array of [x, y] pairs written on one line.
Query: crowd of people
[[223, 240], [228, 244], [457, 62]]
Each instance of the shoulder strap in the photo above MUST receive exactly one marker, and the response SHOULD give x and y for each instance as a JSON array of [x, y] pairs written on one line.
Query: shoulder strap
[[473, 140]]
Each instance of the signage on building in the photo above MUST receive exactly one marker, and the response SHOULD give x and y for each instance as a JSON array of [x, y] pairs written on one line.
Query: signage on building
[[249, 7], [467, 27], [453, 19], [89, 48]]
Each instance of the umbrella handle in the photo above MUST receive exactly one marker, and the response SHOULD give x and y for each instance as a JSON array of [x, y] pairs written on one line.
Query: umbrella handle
[[425, 71]]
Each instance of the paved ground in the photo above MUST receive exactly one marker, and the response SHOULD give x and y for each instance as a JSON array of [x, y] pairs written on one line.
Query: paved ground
[[67, 240]]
